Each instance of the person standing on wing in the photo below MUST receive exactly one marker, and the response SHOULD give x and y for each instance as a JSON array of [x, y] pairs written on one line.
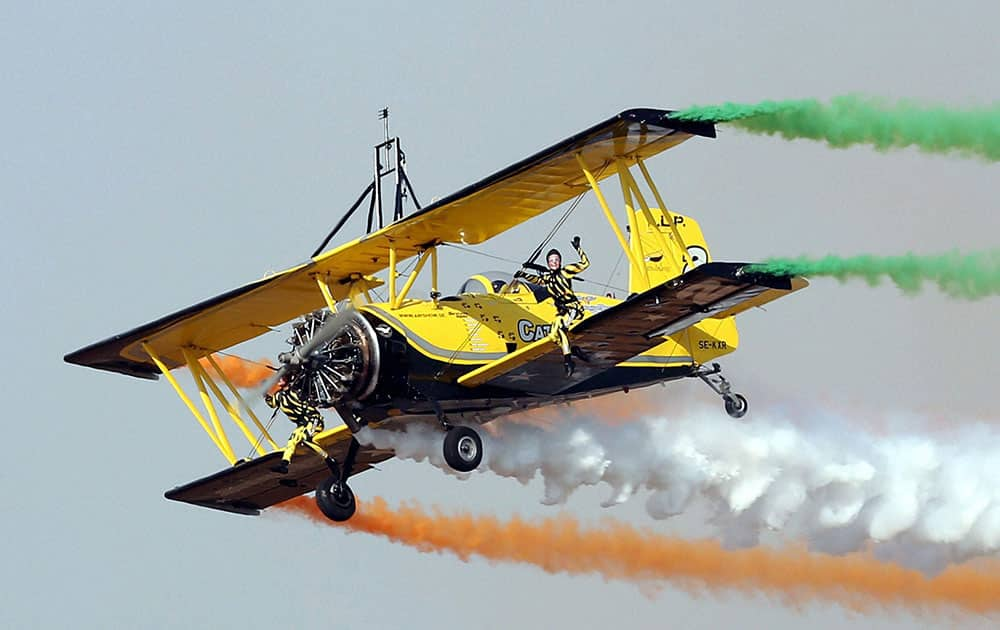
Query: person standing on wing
[[558, 281], [307, 418]]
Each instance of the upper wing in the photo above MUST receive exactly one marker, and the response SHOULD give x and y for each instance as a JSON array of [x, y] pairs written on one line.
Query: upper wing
[[544, 180], [634, 326], [219, 322], [471, 215]]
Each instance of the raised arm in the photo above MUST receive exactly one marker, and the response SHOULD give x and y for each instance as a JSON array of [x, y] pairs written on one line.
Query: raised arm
[[577, 267]]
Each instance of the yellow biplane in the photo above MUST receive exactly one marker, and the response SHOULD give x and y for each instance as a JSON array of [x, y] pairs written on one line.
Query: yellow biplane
[[455, 360]]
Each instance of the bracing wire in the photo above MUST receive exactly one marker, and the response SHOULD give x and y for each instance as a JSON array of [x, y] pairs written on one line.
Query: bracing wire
[[552, 232], [514, 262], [614, 270], [562, 220], [260, 438], [479, 253], [406, 272]]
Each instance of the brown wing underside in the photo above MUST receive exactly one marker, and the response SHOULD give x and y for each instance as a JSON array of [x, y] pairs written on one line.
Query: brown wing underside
[[639, 324], [250, 487]]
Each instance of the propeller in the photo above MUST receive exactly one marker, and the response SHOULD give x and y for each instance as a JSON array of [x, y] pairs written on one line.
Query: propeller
[[300, 355]]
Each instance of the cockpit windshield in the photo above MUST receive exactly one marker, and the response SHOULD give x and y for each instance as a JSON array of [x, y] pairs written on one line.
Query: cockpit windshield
[[500, 282], [487, 282]]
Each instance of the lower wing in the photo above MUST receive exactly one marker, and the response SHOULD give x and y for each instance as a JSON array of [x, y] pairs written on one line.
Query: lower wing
[[636, 325]]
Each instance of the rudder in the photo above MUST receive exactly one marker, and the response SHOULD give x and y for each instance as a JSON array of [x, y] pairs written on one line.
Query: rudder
[[685, 248]]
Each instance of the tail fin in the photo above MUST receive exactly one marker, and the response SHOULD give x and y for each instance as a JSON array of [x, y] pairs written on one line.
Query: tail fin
[[669, 246], [680, 235]]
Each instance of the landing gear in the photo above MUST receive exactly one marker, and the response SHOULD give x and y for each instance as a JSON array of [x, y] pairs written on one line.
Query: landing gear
[[736, 404], [334, 497], [463, 448]]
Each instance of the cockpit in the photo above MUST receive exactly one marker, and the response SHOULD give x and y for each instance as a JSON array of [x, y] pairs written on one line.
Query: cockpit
[[497, 282]]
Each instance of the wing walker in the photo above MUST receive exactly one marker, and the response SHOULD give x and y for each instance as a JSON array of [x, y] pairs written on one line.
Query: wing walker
[[502, 342]]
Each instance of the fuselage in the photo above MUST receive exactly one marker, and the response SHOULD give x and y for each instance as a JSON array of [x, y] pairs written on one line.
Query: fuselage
[[425, 346]]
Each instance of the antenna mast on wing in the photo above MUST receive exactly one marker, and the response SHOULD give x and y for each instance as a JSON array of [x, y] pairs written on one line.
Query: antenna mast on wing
[[389, 160], [394, 164]]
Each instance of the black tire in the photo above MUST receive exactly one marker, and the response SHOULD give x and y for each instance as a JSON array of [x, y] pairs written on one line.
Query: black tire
[[463, 449], [737, 406], [335, 500]]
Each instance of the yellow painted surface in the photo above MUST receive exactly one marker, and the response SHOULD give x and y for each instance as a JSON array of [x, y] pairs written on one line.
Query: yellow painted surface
[[478, 328], [507, 203], [662, 267]]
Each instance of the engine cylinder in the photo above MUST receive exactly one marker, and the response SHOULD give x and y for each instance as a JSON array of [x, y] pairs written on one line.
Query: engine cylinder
[[343, 367]]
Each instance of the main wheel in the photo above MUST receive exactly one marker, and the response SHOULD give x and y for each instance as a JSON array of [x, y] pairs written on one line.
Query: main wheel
[[335, 499], [463, 449], [736, 405]]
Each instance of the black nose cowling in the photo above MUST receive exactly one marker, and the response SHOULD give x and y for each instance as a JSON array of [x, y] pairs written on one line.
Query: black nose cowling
[[341, 357]]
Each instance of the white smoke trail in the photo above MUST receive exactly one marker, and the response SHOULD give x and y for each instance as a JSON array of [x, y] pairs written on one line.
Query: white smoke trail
[[916, 500]]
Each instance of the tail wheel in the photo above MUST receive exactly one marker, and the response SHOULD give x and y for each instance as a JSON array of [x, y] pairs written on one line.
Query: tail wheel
[[736, 405], [463, 449], [335, 499]]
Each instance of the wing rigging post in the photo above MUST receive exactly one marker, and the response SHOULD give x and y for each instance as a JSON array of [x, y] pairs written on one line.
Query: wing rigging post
[[389, 160]]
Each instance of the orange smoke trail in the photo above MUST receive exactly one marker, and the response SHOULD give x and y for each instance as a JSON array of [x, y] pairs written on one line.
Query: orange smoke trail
[[618, 551], [241, 372]]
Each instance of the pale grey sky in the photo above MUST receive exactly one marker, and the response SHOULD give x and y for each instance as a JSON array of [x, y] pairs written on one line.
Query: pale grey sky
[[152, 156]]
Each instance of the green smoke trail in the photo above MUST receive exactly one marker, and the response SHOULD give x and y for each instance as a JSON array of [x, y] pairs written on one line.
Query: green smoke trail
[[849, 120], [966, 276]]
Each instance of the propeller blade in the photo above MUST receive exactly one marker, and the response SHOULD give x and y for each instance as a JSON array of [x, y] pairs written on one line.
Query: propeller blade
[[321, 336], [270, 382], [330, 328]]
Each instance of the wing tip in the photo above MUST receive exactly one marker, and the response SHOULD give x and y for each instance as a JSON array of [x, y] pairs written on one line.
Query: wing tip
[[92, 358], [664, 118]]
